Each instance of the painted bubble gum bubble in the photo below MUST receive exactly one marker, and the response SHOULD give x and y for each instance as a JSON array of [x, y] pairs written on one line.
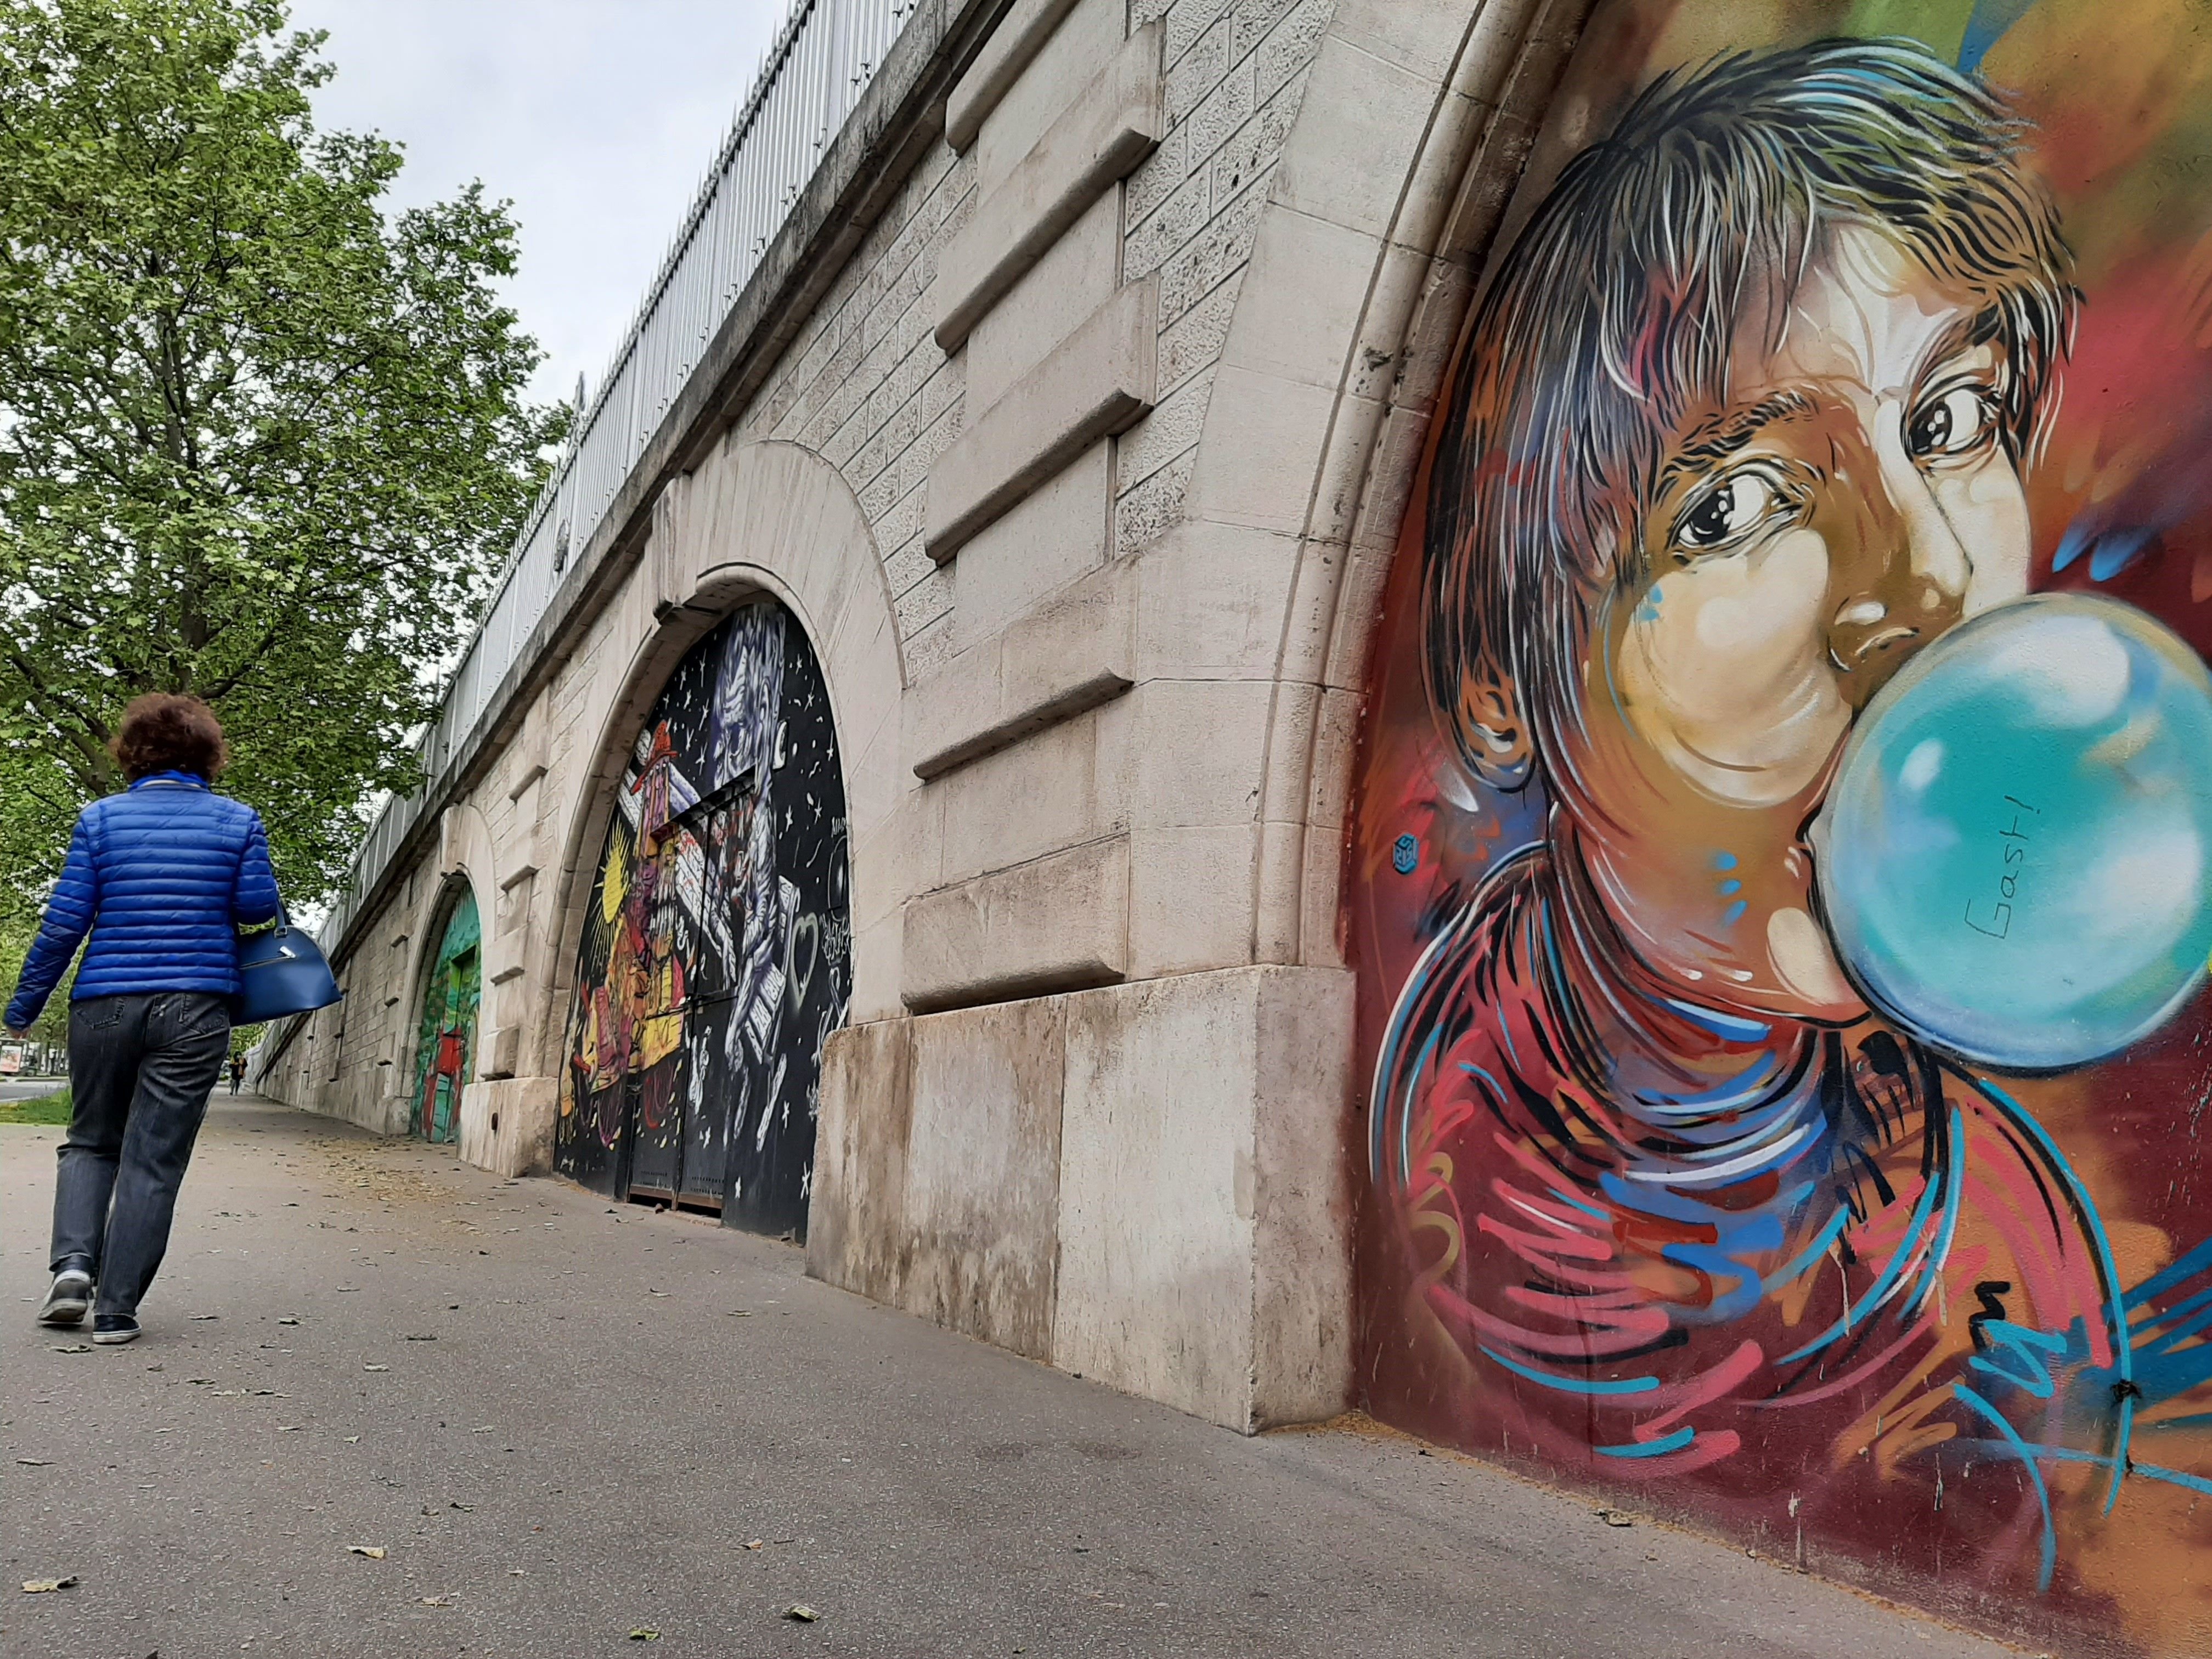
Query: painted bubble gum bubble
[[2013, 861]]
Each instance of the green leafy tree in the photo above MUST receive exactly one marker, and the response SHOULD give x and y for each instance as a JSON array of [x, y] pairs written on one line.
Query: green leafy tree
[[261, 439]]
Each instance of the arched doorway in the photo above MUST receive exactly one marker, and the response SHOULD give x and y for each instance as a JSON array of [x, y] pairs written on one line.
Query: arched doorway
[[445, 1048], [715, 955]]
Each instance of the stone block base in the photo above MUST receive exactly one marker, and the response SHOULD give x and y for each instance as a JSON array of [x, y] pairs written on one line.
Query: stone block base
[[507, 1125], [1144, 1184]]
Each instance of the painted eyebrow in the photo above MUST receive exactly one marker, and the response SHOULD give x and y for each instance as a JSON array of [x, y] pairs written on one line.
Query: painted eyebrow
[[1963, 335], [1716, 438]]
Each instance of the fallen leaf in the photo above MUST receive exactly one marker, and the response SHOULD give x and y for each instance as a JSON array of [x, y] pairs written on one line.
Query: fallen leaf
[[373, 1551], [645, 1636], [801, 1612], [1615, 1518], [741, 1313], [288, 1428], [425, 1338], [43, 1586], [287, 1321], [486, 1429], [34, 1462], [466, 1509], [71, 1347], [203, 1315], [753, 1543], [437, 1601], [353, 1440], [376, 1367]]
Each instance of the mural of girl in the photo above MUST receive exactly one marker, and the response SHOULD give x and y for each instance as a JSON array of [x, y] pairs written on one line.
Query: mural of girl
[[716, 957], [1763, 402]]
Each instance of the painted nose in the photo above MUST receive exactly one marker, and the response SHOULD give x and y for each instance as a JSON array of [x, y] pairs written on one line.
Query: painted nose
[[1909, 585]]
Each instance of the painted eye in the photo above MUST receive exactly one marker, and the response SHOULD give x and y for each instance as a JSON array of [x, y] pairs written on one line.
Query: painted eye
[[1730, 509], [1956, 422]]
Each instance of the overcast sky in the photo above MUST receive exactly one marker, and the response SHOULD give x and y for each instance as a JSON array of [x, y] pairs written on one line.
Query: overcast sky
[[596, 118]]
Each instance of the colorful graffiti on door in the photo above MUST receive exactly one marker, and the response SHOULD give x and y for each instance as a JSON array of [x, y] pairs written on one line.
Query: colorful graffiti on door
[[1779, 873], [445, 1044], [716, 952]]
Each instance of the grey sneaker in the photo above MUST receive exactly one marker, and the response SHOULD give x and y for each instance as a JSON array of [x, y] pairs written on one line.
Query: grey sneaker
[[110, 1329], [70, 1295]]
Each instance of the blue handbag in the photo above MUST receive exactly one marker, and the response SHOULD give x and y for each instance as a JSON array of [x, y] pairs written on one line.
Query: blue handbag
[[285, 973]]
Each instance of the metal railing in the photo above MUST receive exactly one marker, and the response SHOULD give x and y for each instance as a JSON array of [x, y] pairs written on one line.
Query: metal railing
[[824, 58]]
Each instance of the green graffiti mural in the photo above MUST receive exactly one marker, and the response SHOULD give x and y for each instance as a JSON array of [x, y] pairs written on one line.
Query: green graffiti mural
[[445, 1049]]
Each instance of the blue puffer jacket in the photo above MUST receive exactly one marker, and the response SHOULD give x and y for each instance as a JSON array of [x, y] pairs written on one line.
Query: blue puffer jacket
[[163, 876]]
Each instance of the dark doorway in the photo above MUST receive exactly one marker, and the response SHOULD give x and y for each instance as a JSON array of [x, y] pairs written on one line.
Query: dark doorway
[[716, 950]]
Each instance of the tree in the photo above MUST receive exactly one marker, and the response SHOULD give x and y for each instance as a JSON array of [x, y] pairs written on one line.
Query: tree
[[260, 441]]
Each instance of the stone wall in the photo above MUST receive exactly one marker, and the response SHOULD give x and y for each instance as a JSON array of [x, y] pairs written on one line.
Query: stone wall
[[1077, 464]]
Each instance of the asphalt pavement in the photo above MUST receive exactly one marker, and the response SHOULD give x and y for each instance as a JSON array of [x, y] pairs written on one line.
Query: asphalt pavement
[[388, 1405]]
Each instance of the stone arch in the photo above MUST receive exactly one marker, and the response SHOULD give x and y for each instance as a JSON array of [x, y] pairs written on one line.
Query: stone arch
[[774, 519], [1389, 195], [453, 885]]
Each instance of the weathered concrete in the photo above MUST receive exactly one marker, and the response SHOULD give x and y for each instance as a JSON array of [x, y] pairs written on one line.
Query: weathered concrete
[[1094, 385], [1110, 127], [1005, 55], [592, 1439]]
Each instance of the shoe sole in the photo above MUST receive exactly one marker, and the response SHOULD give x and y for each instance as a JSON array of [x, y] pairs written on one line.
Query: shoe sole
[[113, 1338], [67, 1310]]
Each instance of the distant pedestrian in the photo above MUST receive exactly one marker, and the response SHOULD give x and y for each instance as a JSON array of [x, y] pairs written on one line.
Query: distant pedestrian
[[163, 876], [237, 1072]]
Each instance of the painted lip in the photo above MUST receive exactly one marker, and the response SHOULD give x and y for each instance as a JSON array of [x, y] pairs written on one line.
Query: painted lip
[[1878, 642], [1692, 750]]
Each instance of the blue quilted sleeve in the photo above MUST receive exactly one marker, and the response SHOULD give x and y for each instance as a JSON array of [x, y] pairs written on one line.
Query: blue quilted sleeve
[[254, 901], [61, 929]]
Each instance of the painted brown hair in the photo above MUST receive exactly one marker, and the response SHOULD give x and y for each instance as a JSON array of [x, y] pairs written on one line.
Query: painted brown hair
[[1618, 308]]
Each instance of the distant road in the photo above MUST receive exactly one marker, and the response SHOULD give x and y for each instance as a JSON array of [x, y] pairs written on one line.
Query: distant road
[[28, 1088]]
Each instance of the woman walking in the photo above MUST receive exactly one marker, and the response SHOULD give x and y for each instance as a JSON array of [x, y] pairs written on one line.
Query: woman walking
[[163, 876]]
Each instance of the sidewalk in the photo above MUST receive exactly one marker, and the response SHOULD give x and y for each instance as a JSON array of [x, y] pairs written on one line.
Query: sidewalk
[[564, 1425]]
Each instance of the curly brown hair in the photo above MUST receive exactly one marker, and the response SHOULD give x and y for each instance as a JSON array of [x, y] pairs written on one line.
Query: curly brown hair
[[164, 732]]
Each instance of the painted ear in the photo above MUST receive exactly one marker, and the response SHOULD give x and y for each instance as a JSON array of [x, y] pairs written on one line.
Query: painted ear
[[1492, 738]]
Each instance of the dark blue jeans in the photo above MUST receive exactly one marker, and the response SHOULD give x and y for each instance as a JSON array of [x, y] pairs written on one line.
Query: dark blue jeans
[[140, 1070]]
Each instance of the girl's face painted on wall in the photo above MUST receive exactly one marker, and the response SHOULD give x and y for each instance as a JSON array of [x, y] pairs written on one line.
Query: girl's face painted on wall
[[1853, 500]]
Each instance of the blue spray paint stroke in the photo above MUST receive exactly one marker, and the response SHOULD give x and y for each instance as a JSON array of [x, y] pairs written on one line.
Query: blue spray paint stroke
[[2020, 1447], [1574, 1384], [1811, 1253], [1393, 1040], [1987, 25], [1406, 1117], [2017, 1342], [2107, 1270], [2198, 1259], [1734, 914], [1730, 1028], [1675, 1442], [2142, 1470], [1894, 1273], [1954, 1182], [2182, 1320]]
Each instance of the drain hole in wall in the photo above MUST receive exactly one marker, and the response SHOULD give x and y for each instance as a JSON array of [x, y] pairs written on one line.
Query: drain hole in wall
[[495, 1122]]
